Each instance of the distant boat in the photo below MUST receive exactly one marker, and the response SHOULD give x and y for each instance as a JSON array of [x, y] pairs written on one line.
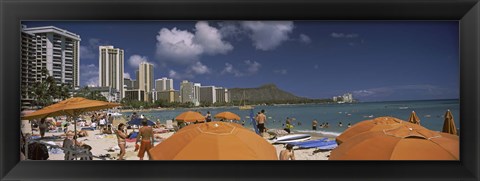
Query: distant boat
[[403, 108], [244, 107]]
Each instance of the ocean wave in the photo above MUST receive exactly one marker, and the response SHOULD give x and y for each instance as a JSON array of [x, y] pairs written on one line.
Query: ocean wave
[[324, 133]]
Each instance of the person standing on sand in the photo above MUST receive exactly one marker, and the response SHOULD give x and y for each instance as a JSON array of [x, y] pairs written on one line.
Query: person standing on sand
[[261, 119], [121, 140], [110, 119], [287, 154], [145, 135], [42, 127], [314, 124]]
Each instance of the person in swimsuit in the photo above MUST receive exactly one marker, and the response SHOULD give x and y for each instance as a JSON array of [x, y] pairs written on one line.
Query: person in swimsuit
[[121, 140], [287, 154], [261, 118], [145, 135], [314, 124]]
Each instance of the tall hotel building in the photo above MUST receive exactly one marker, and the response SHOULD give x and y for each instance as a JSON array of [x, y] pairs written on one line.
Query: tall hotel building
[[145, 79], [50, 48], [208, 94], [186, 91], [110, 68], [163, 84]]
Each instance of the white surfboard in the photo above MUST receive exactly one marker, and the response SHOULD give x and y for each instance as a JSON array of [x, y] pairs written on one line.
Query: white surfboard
[[292, 138]]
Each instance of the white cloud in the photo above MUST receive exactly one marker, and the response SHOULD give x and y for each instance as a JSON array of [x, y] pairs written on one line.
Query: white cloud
[[229, 69], [305, 39], [175, 75], [126, 75], [281, 71], [89, 75], [250, 69], [267, 35], [184, 47], [199, 68], [178, 45], [90, 50], [135, 60], [210, 39], [420, 90], [253, 67], [343, 35]]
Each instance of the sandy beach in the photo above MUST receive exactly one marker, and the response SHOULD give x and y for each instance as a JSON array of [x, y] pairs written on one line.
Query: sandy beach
[[102, 144]]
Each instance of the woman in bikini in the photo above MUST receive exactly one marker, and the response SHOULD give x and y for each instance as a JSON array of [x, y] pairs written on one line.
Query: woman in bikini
[[121, 140]]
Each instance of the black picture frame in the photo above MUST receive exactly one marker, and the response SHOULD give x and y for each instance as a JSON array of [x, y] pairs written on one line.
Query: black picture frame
[[467, 12]]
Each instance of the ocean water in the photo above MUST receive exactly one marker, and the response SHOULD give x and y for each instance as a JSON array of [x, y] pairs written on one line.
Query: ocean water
[[430, 113]]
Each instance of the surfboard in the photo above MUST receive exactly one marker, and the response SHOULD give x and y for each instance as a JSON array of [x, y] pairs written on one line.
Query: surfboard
[[308, 142], [292, 138], [320, 145]]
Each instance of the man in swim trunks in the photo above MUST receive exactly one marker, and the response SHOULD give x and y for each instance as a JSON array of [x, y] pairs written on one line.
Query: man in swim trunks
[[261, 118], [145, 135], [314, 124], [287, 154]]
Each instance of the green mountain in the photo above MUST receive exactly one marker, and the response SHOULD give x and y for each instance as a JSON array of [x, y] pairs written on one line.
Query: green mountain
[[268, 93]]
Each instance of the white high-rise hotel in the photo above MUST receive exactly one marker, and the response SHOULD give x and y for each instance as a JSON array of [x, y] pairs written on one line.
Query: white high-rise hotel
[[111, 66], [163, 84], [50, 48], [145, 79]]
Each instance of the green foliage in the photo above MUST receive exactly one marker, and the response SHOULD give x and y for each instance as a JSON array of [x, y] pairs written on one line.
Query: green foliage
[[85, 92], [46, 92]]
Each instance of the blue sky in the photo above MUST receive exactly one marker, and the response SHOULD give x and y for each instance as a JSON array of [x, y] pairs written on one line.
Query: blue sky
[[374, 60]]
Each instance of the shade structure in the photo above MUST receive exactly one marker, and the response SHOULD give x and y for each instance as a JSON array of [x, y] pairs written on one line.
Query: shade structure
[[190, 116], [449, 124], [227, 115], [414, 118], [70, 107], [214, 141], [138, 122], [401, 143], [377, 124]]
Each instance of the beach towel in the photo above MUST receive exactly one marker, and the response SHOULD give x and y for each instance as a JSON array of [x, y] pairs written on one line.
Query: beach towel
[[89, 129], [130, 140]]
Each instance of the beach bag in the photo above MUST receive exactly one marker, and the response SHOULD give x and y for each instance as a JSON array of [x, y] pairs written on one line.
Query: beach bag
[[37, 151]]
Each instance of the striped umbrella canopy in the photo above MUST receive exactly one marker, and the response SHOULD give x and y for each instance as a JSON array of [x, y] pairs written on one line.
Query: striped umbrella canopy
[[70, 107], [373, 125], [449, 124], [190, 116], [414, 118], [214, 141], [405, 142], [228, 116]]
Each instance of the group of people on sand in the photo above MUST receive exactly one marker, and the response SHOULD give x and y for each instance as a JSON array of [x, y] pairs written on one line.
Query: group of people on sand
[[145, 136]]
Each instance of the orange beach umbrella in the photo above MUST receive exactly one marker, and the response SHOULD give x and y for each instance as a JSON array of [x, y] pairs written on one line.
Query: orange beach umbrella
[[402, 143], [228, 116], [71, 107], [449, 124], [190, 116], [214, 141], [377, 124], [414, 118]]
